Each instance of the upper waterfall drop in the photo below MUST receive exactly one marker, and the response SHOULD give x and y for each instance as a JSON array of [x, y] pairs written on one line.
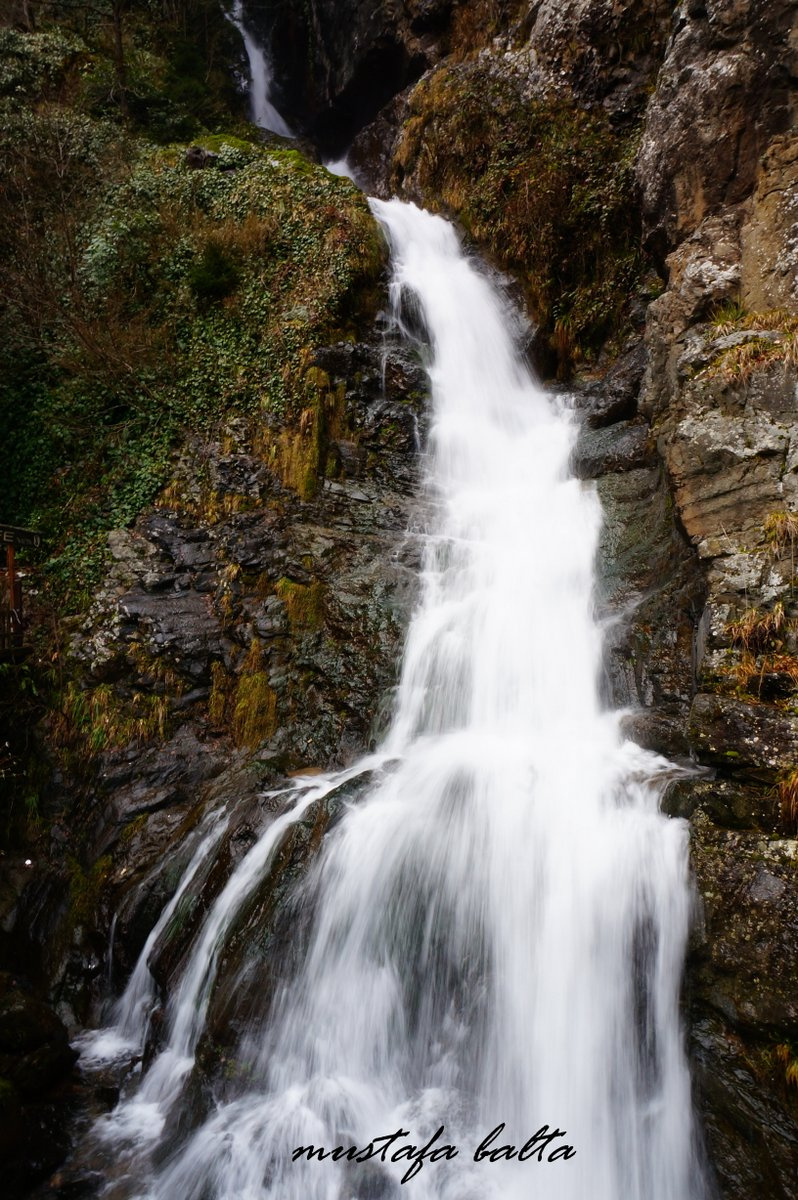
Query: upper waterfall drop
[[500, 921], [264, 114]]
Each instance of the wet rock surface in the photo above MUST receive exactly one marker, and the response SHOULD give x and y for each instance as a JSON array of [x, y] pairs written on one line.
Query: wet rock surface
[[250, 626], [339, 64], [35, 1067], [719, 393]]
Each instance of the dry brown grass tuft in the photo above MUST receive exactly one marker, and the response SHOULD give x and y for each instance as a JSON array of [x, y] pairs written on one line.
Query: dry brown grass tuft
[[757, 628], [788, 799]]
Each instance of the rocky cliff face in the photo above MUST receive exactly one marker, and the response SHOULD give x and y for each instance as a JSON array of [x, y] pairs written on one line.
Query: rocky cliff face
[[691, 435], [632, 164], [719, 202]]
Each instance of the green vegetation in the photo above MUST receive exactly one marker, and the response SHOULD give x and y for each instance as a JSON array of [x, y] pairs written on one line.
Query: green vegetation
[[159, 69], [789, 1061], [549, 189], [214, 275], [95, 719], [736, 364], [254, 704], [85, 887], [24, 771], [304, 603], [787, 788], [244, 702], [758, 629], [148, 305], [144, 298]]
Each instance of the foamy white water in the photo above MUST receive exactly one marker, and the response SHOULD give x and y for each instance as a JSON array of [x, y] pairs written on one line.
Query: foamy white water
[[501, 921], [263, 112], [127, 1031], [140, 1116]]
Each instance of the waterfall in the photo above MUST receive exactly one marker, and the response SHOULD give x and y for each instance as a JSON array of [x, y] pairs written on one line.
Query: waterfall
[[500, 920], [263, 112], [130, 1017]]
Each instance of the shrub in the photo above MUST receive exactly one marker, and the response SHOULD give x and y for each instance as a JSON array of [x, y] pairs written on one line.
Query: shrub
[[215, 275]]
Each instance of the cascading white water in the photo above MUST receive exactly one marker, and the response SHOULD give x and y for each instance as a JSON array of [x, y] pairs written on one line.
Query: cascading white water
[[127, 1032], [501, 920], [264, 114]]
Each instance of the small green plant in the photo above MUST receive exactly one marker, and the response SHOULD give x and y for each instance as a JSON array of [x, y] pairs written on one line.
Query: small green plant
[[738, 363], [215, 275], [254, 703], [787, 791], [95, 719], [85, 888], [728, 317], [304, 603]]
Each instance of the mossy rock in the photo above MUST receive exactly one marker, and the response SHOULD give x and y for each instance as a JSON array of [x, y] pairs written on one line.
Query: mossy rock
[[549, 192], [201, 297]]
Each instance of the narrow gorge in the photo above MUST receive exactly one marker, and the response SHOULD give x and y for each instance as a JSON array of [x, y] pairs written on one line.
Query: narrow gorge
[[397, 743]]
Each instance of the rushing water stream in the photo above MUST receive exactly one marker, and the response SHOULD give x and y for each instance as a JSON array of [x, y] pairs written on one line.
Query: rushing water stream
[[263, 112], [501, 919]]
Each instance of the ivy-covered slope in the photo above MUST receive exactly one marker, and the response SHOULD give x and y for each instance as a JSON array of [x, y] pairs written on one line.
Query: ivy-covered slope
[[145, 297], [192, 398]]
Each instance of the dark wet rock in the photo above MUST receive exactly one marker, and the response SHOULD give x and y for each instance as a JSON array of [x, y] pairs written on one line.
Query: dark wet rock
[[339, 64], [614, 397], [264, 943], [251, 814], [36, 1061], [72, 1185], [372, 150], [741, 993], [744, 965], [728, 803], [34, 1047], [623, 447], [650, 595], [741, 738], [749, 1130], [249, 625], [197, 158]]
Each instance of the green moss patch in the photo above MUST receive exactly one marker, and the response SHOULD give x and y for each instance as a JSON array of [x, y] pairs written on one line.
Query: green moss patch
[[548, 189], [147, 299]]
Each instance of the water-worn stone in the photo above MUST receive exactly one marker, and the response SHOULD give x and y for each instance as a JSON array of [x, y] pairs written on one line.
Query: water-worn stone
[[749, 1130], [744, 739], [623, 447], [614, 397], [649, 596], [34, 1047], [731, 804]]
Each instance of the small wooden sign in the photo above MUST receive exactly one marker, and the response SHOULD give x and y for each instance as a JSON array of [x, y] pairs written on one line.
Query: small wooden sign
[[10, 535]]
